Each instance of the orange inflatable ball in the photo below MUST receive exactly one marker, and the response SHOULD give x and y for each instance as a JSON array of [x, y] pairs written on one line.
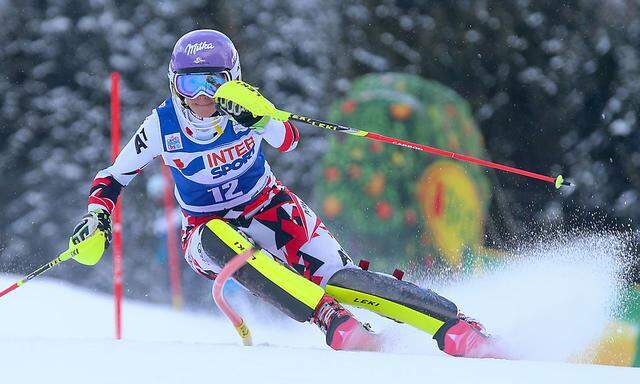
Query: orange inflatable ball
[[331, 174], [331, 207], [375, 187], [451, 110], [400, 111], [355, 172], [384, 210], [410, 216], [376, 147], [348, 106]]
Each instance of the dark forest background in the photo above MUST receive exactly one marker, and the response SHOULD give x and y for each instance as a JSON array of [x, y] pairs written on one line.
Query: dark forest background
[[554, 87]]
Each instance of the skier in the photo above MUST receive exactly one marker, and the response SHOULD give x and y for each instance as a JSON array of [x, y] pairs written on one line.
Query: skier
[[227, 192]]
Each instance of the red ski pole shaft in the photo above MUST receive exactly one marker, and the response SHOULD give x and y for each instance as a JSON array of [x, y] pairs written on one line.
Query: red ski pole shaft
[[557, 181]]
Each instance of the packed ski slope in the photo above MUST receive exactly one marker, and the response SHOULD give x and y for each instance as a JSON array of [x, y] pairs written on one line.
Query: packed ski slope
[[547, 309]]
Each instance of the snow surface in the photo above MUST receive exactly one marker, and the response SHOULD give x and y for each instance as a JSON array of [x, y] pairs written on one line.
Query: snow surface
[[52, 332]]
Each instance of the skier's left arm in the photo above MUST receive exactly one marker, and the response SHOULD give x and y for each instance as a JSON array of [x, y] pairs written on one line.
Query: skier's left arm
[[282, 135]]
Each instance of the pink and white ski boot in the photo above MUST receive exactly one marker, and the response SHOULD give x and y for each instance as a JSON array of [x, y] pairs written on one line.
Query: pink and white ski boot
[[466, 337], [343, 330]]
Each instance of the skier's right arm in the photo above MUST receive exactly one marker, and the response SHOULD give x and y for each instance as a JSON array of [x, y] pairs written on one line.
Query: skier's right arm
[[143, 147]]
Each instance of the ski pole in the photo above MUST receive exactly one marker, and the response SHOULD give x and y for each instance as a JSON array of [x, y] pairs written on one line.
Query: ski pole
[[557, 181], [64, 256], [87, 252], [244, 94], [217, 291]]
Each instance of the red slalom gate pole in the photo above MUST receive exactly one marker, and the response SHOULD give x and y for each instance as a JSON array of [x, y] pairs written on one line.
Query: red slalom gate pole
[[117, 226], [218, 289], [172, 244]]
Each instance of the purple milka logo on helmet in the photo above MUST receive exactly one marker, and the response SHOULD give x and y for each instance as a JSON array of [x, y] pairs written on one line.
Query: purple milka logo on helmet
[[192, 49]]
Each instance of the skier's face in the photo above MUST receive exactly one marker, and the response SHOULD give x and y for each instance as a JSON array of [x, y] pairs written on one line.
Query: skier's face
[[203, 106]]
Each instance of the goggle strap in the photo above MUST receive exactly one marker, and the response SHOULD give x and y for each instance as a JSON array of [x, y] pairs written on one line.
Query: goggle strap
[[201, 70]]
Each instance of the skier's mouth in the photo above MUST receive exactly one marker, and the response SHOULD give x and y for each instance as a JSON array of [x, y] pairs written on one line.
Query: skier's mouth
[[202, 101]]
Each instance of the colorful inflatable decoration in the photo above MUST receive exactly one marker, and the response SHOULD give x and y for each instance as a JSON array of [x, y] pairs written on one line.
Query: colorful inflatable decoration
[[396, 205]]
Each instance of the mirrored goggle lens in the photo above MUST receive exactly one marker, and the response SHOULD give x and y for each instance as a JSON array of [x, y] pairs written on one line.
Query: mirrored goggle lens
[[192, 84]]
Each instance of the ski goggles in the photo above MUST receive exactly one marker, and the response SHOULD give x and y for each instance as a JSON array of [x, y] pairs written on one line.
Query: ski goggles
[[192, 85]]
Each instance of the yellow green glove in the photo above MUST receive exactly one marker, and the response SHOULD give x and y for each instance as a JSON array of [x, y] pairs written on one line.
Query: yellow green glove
[[246, 105], [91, 237]]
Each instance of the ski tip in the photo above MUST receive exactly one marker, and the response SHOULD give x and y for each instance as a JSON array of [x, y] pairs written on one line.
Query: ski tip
[[561, 182]]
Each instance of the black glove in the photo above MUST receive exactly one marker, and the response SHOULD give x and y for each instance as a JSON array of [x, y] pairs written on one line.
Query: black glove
[[241, 115], [95, 220]]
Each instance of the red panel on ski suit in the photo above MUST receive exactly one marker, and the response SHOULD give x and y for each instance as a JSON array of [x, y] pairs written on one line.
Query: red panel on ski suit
[[281, 223]]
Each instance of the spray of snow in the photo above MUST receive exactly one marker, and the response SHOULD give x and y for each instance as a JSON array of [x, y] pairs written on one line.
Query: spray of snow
[[546, 302], [48, 318]]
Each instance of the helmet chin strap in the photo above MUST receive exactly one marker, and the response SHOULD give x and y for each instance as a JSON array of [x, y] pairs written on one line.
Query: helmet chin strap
[[195, 115], [203, 129]]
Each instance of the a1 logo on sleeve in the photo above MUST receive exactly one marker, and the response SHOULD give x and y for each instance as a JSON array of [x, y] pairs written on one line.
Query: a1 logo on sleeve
[[173, 142]]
